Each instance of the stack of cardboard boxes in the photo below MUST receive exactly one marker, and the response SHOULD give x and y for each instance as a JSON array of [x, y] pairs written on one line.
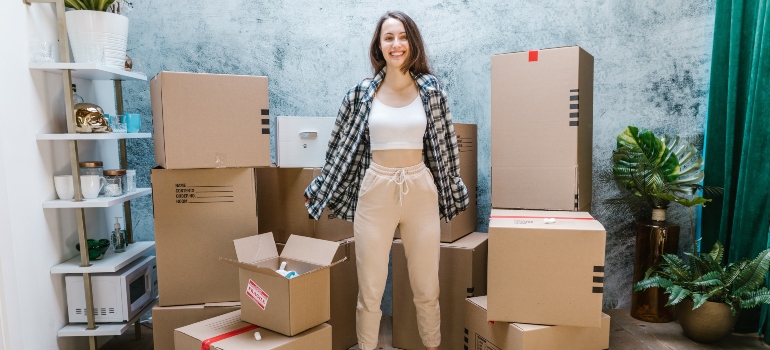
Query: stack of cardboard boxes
[[218, 202], [212, 145], [546, 267]]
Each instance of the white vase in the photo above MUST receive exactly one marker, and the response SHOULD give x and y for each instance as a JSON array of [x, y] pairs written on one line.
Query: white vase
[[97, 31]]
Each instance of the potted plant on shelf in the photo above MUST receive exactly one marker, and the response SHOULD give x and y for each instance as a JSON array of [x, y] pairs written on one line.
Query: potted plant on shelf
[[708, 294], [655, 171], [98, 32]]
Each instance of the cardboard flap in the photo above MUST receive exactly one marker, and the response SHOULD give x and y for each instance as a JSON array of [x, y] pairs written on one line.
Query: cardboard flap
[[214, 326], [479, 301], [255, 248], [250, 267], [471, 241], [311, 250]]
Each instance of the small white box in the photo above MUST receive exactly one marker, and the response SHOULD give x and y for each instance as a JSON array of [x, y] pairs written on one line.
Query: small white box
[[302, 141]]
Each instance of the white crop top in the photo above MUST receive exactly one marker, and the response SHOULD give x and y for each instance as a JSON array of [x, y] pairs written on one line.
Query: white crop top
[[397, 128]]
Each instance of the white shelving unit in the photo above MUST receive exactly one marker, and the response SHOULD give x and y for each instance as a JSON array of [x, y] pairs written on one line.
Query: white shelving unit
[[112, 262], [94, 136], [89, 71], [103, 329], [98, 202]]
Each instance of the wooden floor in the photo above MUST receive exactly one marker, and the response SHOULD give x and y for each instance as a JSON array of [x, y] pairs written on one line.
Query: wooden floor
[[626, 333]]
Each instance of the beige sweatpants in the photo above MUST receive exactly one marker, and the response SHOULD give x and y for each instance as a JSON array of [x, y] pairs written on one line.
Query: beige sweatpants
[[404, 197]]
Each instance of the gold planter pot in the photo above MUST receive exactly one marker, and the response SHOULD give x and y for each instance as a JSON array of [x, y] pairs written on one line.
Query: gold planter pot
[[706, 324]]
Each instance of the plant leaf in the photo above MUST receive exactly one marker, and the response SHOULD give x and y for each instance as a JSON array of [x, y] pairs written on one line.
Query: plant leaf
[[756, 298], [676, 294], [652, 282], [754, 274], [717, 252]]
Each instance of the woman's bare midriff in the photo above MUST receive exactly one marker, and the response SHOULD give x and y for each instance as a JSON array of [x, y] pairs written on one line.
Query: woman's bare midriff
[[397, 158]]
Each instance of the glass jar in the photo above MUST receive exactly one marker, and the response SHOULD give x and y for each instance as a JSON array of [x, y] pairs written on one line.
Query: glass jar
[[91, 168], [113, 182]]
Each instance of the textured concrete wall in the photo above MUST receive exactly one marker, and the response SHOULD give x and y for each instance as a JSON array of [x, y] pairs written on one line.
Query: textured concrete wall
[[652, 61]]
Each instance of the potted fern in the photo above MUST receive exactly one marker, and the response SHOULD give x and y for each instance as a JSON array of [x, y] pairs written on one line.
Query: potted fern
[[656, 171], [96, 29], [708, 294]]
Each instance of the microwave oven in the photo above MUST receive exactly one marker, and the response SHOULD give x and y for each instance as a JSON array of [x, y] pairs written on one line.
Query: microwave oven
[[118, 296]]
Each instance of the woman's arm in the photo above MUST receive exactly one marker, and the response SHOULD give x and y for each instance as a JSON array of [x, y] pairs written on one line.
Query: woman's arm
[[318, 193]]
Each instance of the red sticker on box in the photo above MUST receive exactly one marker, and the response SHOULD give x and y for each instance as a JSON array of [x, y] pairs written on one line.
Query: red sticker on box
[[257, 294], [533, 55]]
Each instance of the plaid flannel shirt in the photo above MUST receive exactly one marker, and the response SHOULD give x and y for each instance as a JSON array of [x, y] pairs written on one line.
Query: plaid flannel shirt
[[349, 153]]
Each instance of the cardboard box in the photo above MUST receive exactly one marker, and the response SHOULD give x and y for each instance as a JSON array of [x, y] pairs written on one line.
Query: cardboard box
[[542, 129], [270, 300], [210, 120], [166, 319], [466, 223], [462, 274], [482, 334], [239, 335], [283, 209], [301, 142], [198, 213], [344, 295], [549, 274]]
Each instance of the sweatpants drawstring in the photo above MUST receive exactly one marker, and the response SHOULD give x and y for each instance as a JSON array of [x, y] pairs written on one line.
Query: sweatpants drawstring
[[403, 187]]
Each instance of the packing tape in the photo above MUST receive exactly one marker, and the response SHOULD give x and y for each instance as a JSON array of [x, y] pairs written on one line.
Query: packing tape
[[206, 345], [536, 217]]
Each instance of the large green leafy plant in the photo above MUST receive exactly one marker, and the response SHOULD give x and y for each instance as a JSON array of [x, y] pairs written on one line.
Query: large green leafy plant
[[649, 166], [706, 278], [659, 171]]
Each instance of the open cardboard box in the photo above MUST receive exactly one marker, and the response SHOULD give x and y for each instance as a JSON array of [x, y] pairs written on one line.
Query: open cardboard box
[[269, 300], [229, 332]]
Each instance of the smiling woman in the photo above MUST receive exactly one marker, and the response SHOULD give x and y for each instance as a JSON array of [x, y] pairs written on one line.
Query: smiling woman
[[403, 172]]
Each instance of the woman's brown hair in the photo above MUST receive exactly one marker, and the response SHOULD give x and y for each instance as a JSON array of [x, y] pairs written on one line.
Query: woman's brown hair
[[417, 60]]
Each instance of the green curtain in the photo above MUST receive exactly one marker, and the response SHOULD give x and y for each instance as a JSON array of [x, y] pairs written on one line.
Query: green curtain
[[738, 137]]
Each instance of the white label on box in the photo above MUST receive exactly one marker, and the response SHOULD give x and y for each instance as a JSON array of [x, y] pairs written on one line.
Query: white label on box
[[257, 294]]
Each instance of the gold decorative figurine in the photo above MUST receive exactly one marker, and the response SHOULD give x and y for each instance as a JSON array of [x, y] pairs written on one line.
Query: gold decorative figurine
[[90, 118]]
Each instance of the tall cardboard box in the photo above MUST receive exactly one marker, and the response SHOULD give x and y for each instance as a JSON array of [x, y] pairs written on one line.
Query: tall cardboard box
[[301, 142], [166, 319], [230, 332], [542, 129], [462, 274], [198, 213], [464, 224], [344, 295], [282, 208], [482, 334], [549, 274], [284, 305], [210, 120]]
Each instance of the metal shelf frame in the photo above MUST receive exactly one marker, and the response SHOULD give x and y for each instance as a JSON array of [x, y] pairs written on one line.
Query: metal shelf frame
[[90, 329]]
